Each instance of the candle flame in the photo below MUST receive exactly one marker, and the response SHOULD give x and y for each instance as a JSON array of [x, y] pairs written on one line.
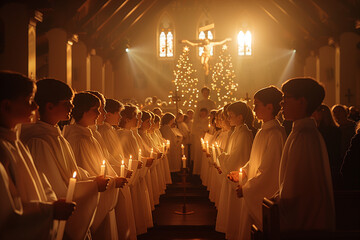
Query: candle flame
[[152, 149], [182, 145], [74, 174], [216, 144], [240, 170], [122, 162], [130, 156], [103, 162]]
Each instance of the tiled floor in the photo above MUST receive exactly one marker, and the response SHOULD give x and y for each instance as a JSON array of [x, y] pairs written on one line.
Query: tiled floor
[[169, 225]]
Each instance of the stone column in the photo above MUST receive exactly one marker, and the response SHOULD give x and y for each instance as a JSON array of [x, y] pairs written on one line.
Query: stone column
[[79, 55], [108, 79], [96, 72]]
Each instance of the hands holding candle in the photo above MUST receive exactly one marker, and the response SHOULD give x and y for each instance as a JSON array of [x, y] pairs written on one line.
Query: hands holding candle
[[183, 159], [63, 209], [103, 169], [218, 148]]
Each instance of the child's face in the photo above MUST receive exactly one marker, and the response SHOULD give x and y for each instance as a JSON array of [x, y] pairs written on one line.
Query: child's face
[[22, 109], [113, 118], [62, 110], [293, 109], [90, 117], [203, 114], [235, 120], [101, 118], [261, 110], [145, 125]]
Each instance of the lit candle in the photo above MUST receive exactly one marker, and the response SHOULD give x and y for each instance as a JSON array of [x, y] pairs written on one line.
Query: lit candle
[[209, 125], [130, 163], [202, 144], [214, 153], [183, 159], [69, 197], [122, 169], [164, 147], [182, 149], [152, 153], [167, 145], [103, 169], [218, 148], [240, 176], [139, 155], [207, 146]]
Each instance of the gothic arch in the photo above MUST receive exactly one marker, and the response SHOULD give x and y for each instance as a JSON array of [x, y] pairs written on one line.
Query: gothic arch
[[165, 37]]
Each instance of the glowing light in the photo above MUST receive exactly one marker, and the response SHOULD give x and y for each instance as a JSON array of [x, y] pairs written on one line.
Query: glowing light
[[127, 50]]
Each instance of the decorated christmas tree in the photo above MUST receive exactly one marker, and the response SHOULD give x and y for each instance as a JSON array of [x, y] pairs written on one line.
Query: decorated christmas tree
[[223, 83], [185, 81]]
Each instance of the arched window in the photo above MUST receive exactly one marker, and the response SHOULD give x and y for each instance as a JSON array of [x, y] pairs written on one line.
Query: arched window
[[165, 37], [206, 35], [244, 43]]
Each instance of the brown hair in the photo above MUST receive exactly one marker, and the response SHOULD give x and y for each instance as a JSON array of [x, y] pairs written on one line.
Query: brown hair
[[83, 101]]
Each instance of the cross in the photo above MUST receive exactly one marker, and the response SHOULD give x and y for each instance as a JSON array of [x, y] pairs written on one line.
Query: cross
[[349, 95], [176, 99], [247, 99]]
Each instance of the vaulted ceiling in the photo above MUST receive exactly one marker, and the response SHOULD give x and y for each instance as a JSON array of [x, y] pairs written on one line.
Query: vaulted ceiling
[[105, 24]]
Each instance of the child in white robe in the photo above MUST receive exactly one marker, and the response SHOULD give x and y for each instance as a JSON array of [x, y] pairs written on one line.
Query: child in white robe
[[305, 197], [106, 136], [89, 155], [262, 169], [139, 191], [160, 142], [237, 155], [174, 153], [25, 211], [53, 155]]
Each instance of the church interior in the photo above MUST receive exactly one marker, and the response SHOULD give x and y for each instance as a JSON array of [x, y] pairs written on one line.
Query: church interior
[[150, 55]]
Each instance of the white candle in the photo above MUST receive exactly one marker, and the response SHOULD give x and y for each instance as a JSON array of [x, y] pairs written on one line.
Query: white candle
[[122, 169], [207, 146], [182, 149], [69, 197], [164, 147], [167, 145], [218, 148], [130, 163], [240, 176], [139, 155], [103, 169], [152, 153], [202, 144], [214, 153], [183, 159]]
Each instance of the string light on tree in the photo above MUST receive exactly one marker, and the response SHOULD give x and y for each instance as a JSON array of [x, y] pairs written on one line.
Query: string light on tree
[[223, 83], [185, 80]]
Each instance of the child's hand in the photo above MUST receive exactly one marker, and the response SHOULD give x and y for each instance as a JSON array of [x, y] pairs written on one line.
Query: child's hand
[[120, 182], [102, 183], [62, 209]]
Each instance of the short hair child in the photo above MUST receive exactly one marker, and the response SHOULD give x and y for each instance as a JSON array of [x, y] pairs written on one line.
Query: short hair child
[[113, 106], [53, 91], [83, 101], [270, 95]]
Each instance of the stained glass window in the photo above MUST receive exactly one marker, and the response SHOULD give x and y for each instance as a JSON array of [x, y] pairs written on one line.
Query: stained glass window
[[162, 43], [166, 44], [244, 43]]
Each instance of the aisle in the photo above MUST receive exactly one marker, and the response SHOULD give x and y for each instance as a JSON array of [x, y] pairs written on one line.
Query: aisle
[[200, 225]]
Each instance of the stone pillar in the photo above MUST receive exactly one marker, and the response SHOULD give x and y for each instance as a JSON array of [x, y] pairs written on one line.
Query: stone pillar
[[349, 69], [18, 39], [310, 67], [327, 74], [57, 54], [108, 79], [79, 55], [96, 73]]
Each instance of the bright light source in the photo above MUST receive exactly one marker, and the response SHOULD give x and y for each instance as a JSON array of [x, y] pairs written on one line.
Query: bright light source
[[294, 50], [127, 50]]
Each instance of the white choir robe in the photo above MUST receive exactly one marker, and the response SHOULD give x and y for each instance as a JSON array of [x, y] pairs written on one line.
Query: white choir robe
[[160, 162], [24, 211], [138, 188], [305, 199], [53, 157], [174, 153], [215, 179], [262, 171], [146, 175], [89, 155], [110, 144], [237, 156], [166, 166], [199, 129], [154, 168]]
